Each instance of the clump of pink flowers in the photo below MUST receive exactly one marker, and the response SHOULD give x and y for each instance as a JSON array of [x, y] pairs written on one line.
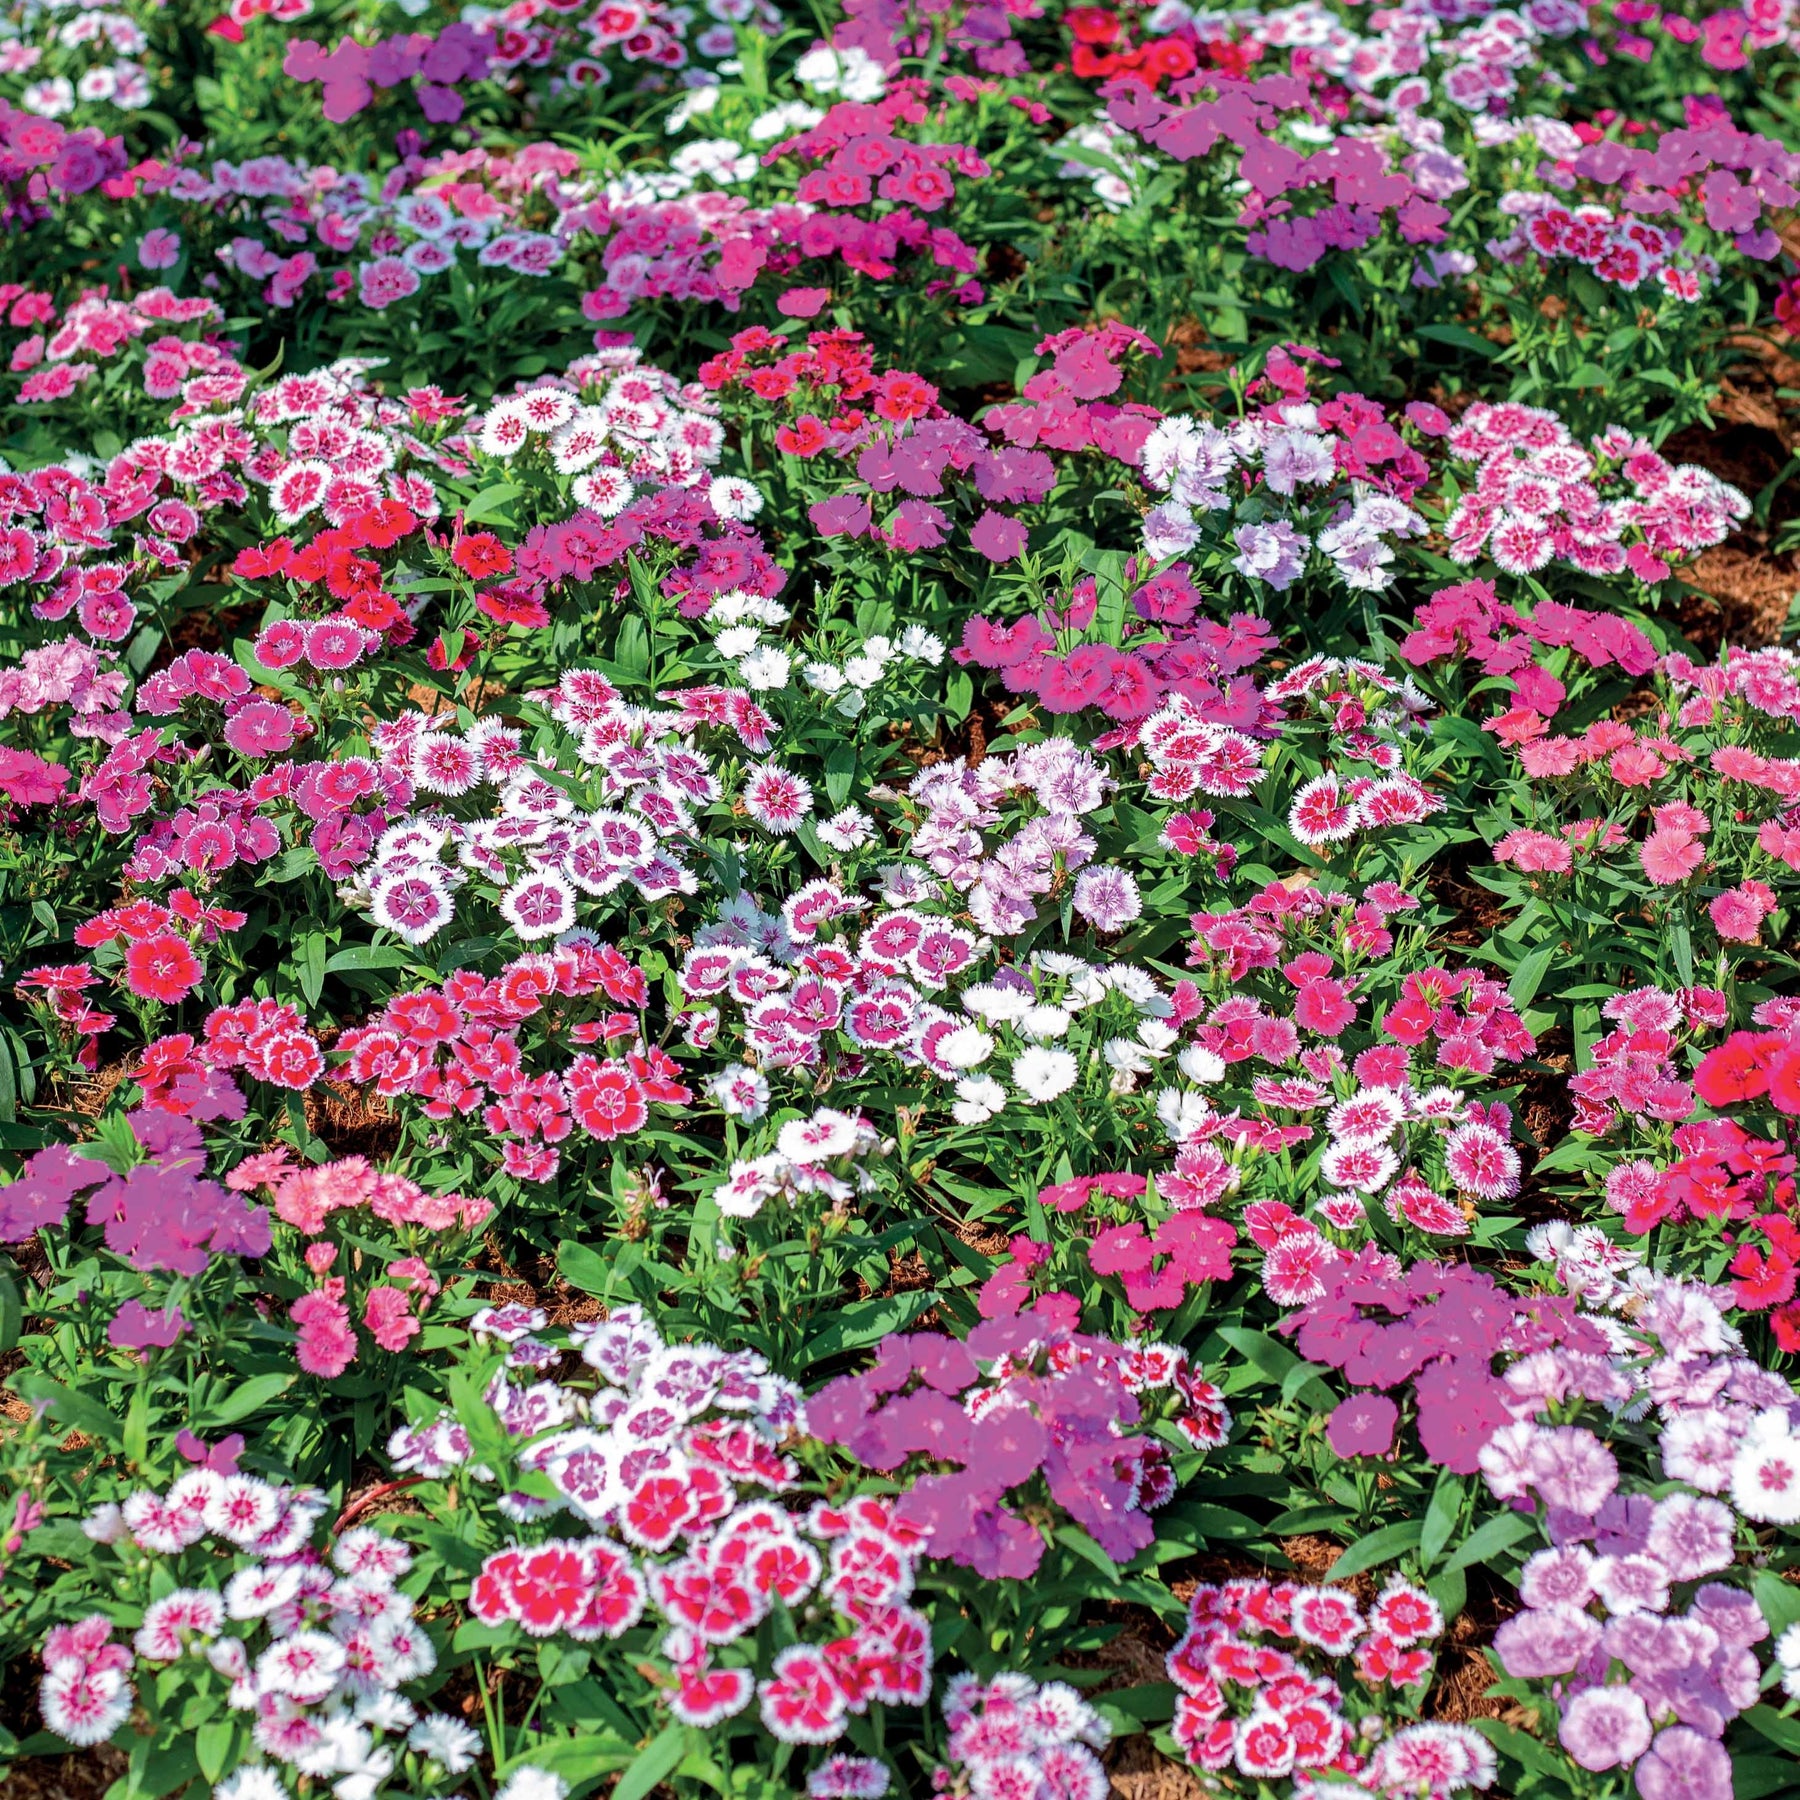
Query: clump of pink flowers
[[393, 1306], [1048, 1401], [1279, 1679], [1540, 497], [1014, 1736]]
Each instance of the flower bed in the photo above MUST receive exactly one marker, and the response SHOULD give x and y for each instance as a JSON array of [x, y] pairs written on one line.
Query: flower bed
[[890, 904]]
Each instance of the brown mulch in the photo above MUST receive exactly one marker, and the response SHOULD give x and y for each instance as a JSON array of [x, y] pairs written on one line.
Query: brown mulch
[[1753, 591], [1139, 1771], [1746, 590], [81, 1775], [351, 1122]]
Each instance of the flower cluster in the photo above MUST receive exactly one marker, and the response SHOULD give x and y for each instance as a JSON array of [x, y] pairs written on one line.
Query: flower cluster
[[456, 1049], [1539, 497], [160, 1213], [1263, 1667], [672, 1464], [1049, 1402], [1650, 1656], [1016, 1735], [239, 1604], [1293, 480]]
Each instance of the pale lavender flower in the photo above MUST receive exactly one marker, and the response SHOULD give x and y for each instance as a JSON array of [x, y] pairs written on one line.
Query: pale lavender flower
[[1571, 1468], [1692, 1536], [1107, 898], [1561, 1576], [1275, 553], [1683, 1765], [1649, 1646], [1632, 1583], [1550, 1640], [1506, 1460], [1294, 458], [1731, 1612], [1606, 1727], [1699, 1448]]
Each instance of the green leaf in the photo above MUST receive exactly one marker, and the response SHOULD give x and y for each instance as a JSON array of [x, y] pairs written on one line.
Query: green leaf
[[1441, 1516], [1768, 1723], [75, 1410], [370, 956], [584, 1268], [1150, 1704], [12, 1305], [657, 1759], [1378, 1547], [1271, 1358], [580, 1761], [1681, 941], [1459, 337], [1571, 1153], [1524, 1749], [1192, 1524], [213, 1744], [1754, 1776], [248, 1397], [490, 503], [867, 1322], [1528, 977], [310, 958], [560, 1664], [1484, 1544], [1073, 1538], [155, 1772], [1450, 1591], [1779, 1600]]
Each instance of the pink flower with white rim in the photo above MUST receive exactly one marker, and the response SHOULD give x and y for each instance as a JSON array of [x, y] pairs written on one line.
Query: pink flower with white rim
[[1395, 800], [849, 1778], [161, 1529], [1481, 1162], [412, 904], [85, 1706], [824, 1137], [1321, 813], [1370, 1117], [1405, 1613], [539, 906], [170, 1621], [777, 799], [242, 1509], [298, 489], [443, 763], [1435, 1756], [304, 1667], [580, 442], [504, 429], [1367, 1168], [333, 644], [1265, 1746], [254, 1593], [546, 409], [802, 1702], [372, 1555], [1292, 1268], [1328, 1618], [734, 498]]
